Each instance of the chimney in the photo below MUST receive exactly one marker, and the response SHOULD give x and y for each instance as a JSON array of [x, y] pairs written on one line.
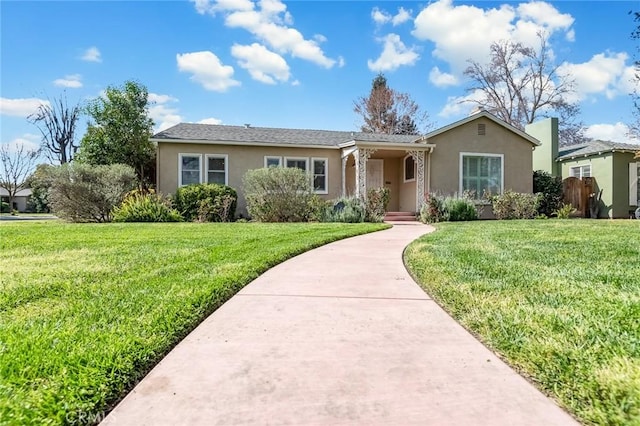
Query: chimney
[[544, 156]]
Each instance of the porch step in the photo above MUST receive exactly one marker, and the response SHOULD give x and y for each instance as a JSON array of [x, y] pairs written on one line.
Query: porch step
[[400, 217]]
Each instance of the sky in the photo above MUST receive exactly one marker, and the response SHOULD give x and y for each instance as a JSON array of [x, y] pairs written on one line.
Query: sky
[[300, 64]]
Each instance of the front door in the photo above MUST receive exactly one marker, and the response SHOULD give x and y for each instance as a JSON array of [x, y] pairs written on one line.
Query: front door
[[375, 174]]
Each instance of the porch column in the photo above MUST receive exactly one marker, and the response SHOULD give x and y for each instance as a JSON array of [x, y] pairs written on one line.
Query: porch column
[[344, 176], [361, 157], [418, 156]]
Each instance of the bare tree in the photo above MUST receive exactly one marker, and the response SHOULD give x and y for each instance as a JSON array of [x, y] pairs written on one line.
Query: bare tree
[[634, 126], [57, 124], [521, 84], [15, 168], [388, 111]]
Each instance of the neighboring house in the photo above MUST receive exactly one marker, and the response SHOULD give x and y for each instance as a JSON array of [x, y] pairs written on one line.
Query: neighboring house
[[19, 201], [612, 164], [478, 153]]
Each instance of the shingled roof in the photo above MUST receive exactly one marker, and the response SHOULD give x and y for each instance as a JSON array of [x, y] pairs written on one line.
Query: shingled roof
[[249, 135], [594, 147]]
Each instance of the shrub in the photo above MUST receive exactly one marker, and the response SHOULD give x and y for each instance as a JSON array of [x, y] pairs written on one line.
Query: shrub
[[40, 182], [145, 207], [346, 209], [206, 202], [4, 207], [278, 194], [550, 188], [460, 209], [433, 210], [565, 211], [515, 205], [88, 193], [376, 205]]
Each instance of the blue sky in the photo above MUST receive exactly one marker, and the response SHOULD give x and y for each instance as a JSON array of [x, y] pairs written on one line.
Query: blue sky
[[299, 64]]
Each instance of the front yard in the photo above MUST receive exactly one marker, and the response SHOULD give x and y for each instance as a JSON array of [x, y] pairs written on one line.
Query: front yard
[[558, 300], [86, 310]]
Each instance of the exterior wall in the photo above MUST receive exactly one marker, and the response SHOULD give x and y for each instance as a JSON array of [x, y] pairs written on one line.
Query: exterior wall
[[19, 202], [241, 159], [544, 156], [391, 166], [602, 171], [445, 160], [620, 205], [407, 190]]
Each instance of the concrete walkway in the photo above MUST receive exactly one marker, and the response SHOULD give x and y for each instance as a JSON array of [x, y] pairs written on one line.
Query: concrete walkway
[[339, 335]]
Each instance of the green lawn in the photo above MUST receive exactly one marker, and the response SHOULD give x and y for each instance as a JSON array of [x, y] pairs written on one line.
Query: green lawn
[[559, 300], [86, 310]]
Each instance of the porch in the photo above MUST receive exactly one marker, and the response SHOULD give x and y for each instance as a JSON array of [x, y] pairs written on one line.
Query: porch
[[403, 170]]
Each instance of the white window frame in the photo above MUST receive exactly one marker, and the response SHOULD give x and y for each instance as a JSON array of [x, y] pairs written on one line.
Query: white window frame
[[404, 169], [326, 174], [272, 157], [189, 154], [580, 168], [305, 159], [225, 157], [480, 154]]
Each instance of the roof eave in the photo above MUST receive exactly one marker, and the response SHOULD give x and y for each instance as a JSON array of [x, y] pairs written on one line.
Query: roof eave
[[238, 143]]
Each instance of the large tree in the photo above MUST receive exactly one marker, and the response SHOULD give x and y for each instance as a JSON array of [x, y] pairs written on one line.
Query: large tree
[[120, 130], [521, 84], [15, 166], [634, 126], [388, 111], [57, 124]]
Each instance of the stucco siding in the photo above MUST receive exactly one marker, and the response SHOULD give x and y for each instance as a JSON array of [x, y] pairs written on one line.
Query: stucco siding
[[516, 151], [241, 159], [620, 205]]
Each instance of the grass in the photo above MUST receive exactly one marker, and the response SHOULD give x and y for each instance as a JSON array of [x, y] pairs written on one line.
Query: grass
[[86, 310], [558, 300]]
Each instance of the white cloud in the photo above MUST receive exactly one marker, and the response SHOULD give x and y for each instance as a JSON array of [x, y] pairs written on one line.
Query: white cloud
[[462, 32], [211, 7], [295, 83], [618, 132], [163, 116], [28, 141], [92, 54], [271, 25], [457, 106], [20, 107], [380, 16], [571, 35], [605, 73], [401, 17], [263, 65], [442, 79], [210, 120], [70, 81], [207, 70], [394, 54], [341, 62]]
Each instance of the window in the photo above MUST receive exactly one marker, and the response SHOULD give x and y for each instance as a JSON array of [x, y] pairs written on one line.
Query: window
[[580, 171], [272, 161], [189, 166], [300, 163], [409, 169], [217, 169], [481, 173], [319, 168]]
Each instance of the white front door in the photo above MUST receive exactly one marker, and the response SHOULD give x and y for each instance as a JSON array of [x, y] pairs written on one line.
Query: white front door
[[375, 175]]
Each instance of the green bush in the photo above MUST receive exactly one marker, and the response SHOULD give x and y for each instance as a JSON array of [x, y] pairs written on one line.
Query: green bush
[[565, 211], [515, 205], [206, 202], [376, 205], [4, 207], [279, 194], [88, 193], [149, 207], [433, 210], [346, 209], [460, 209], [550, 188], [40, 182]]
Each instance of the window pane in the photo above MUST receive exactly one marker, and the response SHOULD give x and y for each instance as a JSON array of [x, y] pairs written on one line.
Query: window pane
[[482, 174], [216, 177], [586, 171], [300, 164], [190, 163], [216, 164], [409, 168], [319, 183], [190, 177], [273, 162], [318, 167]]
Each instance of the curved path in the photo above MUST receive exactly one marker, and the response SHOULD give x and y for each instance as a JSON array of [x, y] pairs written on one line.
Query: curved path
[[338, 335]]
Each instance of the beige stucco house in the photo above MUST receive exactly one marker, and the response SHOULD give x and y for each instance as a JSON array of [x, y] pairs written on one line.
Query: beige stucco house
[[477, 153]]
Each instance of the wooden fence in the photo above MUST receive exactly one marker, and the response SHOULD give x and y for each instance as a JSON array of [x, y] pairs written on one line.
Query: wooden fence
[[582, 194]]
